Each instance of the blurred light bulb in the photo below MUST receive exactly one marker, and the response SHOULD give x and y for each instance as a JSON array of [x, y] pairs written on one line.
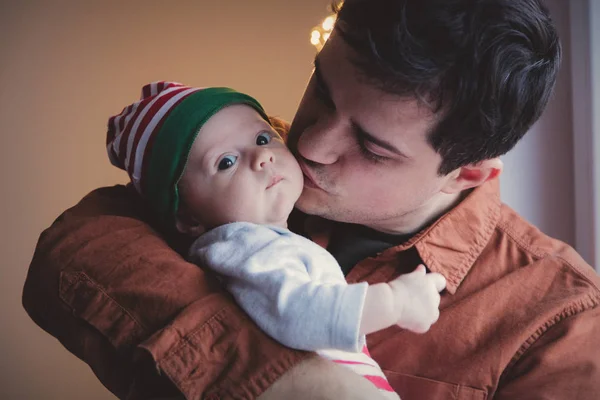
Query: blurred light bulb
[[321, 32], [328, 23]]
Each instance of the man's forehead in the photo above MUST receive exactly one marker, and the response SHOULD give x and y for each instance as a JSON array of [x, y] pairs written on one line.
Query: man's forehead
[[401, 119]]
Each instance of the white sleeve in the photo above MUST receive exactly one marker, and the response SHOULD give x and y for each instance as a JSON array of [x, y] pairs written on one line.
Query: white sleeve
[[267, 272]]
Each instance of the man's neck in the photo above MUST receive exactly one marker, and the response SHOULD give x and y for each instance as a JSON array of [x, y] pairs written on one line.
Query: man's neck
[[417, 220]]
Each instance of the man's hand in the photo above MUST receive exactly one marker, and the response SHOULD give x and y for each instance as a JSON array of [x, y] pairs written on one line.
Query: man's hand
[[319, 379], [417, 299]]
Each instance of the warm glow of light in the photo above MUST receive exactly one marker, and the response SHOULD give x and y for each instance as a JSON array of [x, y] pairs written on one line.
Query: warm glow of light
[[328, 23], [321, 32]]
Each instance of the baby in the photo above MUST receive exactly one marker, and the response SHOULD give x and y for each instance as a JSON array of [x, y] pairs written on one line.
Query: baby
[[210, 164]]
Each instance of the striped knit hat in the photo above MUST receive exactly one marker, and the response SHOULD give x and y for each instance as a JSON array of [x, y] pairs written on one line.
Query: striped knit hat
[[152, 138]]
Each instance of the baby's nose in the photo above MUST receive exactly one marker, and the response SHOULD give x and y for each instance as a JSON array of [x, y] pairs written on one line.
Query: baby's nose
[[263, 157]]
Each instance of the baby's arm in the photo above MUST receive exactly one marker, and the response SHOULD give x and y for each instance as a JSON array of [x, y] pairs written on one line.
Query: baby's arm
[[410, 301], [290, 287], [268, 275]]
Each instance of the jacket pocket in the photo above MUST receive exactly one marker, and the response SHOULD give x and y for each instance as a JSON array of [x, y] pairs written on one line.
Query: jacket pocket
[[91, 303], [411, 387]]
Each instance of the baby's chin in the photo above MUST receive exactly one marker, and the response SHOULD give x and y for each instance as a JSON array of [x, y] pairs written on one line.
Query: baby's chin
[[280, 220], [280, 216]]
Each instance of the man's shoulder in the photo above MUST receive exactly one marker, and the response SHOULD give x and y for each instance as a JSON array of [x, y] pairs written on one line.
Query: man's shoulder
[[117, 199], [532, 248]]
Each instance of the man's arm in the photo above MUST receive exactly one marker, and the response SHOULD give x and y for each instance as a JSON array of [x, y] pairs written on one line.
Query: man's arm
[[107, 286], [563, 363], [148, 323]]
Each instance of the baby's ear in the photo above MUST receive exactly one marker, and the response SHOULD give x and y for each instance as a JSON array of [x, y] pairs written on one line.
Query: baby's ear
[[188, 225]]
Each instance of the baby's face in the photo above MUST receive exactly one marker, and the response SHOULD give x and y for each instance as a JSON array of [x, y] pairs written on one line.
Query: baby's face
[[239, 169]]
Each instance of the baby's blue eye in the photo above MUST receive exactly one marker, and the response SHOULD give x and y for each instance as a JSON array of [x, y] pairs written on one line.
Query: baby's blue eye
[[263, 138], [227, 162]]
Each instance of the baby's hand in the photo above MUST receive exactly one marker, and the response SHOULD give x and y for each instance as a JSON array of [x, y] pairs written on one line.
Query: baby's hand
[[416, 296]]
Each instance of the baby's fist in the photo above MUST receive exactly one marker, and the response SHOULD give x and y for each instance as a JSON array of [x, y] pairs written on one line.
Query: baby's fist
[[417, 298]]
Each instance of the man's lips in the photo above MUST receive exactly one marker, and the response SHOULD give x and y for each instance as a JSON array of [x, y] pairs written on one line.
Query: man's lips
[[308, 179], [274, 181]]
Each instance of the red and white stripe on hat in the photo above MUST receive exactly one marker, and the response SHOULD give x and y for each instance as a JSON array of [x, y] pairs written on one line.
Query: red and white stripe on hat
[[131, 133]]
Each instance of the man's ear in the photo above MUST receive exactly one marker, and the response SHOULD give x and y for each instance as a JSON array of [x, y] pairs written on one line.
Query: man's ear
[[473, 175], [188, 225]]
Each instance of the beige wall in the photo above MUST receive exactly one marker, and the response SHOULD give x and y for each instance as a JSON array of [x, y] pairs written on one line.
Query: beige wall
[[65, 66], [585, 64], [538, 177]]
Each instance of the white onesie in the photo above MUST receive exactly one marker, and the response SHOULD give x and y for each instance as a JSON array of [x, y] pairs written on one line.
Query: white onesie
[[294, 290]]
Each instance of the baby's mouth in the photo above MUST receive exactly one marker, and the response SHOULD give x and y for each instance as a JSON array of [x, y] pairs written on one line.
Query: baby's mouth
[[274, 181]]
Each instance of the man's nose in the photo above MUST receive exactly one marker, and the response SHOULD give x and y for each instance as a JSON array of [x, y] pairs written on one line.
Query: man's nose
[[321, 143], [262, 157]]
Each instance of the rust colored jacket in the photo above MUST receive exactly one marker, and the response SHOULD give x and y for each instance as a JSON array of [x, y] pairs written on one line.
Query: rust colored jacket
[[519, 319]]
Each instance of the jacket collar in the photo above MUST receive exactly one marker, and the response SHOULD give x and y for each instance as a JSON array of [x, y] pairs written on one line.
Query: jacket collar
[[451, 244]]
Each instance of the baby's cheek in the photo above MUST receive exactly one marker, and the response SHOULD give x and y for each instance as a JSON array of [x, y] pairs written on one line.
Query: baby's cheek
[[240, 209]]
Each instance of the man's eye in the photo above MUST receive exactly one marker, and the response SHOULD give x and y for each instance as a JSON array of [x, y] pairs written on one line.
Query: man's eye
[[227, 162], [263, 139], [368, 154]]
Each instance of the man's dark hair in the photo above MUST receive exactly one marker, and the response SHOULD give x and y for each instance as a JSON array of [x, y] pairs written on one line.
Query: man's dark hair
[[487, 67]]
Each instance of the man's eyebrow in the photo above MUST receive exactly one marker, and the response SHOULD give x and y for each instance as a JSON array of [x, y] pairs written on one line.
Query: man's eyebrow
[[366, 136]]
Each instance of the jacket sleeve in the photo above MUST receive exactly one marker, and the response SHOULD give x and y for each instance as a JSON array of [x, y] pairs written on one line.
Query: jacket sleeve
[[292, 288], [561, 362], [116, 295]]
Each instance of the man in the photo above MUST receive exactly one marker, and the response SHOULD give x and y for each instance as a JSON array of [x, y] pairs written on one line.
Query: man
[[398, 135]]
